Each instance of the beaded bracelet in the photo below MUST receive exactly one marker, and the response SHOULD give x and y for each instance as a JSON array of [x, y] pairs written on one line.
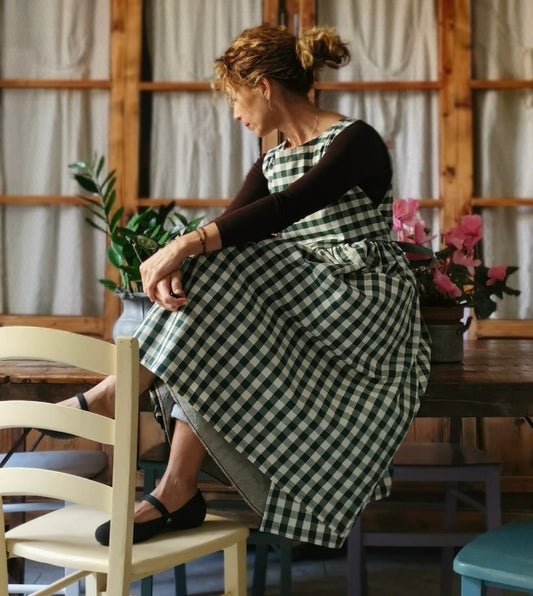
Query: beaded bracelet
[[203, 238]]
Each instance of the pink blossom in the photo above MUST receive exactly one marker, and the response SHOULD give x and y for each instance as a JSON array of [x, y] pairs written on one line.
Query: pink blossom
[[496, 273], [459, 258], [404, 213], [419, 233], [473, 230], [445, 285], [465, 235]]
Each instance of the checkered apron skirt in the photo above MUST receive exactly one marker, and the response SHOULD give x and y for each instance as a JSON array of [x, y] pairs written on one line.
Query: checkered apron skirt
[[304, 352]]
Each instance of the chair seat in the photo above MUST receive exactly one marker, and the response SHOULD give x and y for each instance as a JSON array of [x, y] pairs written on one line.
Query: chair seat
[[87, 463], [503, 555], [70, 532]]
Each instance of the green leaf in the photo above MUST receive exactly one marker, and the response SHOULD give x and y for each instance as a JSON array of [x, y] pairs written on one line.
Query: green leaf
[[99, 166], [86, 183], [147, 243], [109, 284]]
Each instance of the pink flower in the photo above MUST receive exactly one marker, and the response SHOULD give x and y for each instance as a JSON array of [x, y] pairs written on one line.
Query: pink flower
[[419, 233], [445, 285], [459, 258], [496, 273], [472, 227], [404, 213], [465, 235]]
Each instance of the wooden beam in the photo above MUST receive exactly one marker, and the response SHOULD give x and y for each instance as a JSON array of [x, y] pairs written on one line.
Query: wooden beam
[[131, 105], [463, 105], [76, 324], [115, 159], [447, 113], [54, 84]]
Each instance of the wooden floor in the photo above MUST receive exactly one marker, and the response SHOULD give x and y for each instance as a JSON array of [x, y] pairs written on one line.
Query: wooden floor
[[316, 572]]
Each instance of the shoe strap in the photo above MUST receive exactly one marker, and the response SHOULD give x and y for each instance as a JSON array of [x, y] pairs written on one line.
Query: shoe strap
[[82, 401], [157, 504]]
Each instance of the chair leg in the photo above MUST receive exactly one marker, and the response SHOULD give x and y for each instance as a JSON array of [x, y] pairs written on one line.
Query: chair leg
[[447, 552], [285, 550], [147, 585], [235, 569], [355, 561], [493, 514], [471, 586], [180, 580], [95, 584], [260, 565]]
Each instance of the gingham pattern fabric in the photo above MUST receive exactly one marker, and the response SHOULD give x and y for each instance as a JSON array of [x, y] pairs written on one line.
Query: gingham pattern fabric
[[304, 352]]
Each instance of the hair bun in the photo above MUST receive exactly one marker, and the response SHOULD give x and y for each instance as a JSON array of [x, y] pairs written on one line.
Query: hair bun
[[321, 46]]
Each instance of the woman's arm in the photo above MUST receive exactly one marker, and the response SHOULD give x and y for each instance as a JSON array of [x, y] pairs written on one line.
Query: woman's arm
[[356, 157]]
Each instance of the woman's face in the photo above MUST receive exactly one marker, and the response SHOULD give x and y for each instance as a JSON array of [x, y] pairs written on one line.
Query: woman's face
[[252, 109]]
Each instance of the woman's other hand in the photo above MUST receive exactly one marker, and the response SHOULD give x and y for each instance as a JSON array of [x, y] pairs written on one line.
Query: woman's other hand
[[160, 271]]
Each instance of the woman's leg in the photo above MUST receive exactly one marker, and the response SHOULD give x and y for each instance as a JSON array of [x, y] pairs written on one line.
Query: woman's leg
[[101, 397], [179, 482]]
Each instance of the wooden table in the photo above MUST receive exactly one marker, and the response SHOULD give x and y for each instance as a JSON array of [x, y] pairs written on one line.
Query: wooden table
[[495, 379]]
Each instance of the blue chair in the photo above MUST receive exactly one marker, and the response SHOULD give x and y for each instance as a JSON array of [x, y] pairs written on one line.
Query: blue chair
[[452, 464], [500, 558]]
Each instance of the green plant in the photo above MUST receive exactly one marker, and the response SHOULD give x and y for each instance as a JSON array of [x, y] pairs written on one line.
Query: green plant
[[145, 232]]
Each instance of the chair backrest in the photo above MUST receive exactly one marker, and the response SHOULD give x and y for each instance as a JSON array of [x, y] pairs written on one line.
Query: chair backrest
[[120, 360]]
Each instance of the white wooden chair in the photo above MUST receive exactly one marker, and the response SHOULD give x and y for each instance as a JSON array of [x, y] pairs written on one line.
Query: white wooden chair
[[65, 537]]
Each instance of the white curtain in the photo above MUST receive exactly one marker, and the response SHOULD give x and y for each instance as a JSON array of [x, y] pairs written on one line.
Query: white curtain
[[50, 259], [503, 49], [197, 150], [503, 127], [396, 40]]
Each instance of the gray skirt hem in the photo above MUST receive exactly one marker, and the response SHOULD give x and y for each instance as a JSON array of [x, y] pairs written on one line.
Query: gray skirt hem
[[224, 462]]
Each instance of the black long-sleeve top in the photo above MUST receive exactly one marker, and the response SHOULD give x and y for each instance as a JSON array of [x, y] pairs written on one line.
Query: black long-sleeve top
[[357, 156]]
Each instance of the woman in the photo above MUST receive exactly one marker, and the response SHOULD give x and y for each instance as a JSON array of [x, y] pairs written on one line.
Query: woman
[[286, 338]]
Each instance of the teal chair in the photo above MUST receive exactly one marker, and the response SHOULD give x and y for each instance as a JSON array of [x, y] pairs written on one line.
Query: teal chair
[[500, 558]]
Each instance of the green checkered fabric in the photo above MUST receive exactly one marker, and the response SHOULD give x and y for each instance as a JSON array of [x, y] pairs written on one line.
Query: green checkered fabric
[[304, 352]]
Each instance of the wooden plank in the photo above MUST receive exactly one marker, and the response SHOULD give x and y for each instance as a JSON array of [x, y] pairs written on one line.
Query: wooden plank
[[208, 202], [115, 160], [463, 105], [378, 85], [504, 328], [131, 106], [78, 324], [271, 10], [447, 114], [17, 200], [54, 84]]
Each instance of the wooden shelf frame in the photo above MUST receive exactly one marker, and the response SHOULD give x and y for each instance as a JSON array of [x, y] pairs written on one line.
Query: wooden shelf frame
[[454, 85]]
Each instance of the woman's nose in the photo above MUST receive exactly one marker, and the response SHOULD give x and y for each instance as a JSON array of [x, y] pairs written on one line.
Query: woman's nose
[[236, 115]]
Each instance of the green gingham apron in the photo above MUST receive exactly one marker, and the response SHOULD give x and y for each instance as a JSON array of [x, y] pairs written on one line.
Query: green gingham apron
[[304, 352]]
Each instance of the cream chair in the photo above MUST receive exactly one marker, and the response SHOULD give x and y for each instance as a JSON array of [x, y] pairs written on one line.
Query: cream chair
[[65, 537]]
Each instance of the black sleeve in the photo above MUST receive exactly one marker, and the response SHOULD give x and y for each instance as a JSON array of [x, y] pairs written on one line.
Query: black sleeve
[[255, 186], [356, 157]]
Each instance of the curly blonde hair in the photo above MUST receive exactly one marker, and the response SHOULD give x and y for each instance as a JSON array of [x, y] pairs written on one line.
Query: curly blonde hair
[[275, 53]]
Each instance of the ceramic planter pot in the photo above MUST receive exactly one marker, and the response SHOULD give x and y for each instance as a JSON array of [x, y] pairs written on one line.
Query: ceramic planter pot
[[135, 305], [446, 328]]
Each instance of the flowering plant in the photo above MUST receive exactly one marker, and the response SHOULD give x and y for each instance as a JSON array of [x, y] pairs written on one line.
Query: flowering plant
[[454, 275]]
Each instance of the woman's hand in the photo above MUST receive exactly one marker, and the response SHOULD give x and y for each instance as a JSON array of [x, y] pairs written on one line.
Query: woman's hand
[[169, 292], [160, 275]]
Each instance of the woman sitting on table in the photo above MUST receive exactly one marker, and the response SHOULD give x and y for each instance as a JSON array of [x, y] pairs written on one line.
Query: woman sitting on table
[[286, 337]]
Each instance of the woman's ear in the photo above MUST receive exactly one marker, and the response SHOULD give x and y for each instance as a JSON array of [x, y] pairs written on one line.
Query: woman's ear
[[266, 88]]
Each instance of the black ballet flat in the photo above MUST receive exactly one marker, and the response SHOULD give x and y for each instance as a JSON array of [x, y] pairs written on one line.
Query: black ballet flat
[[55, 434], [191, 515]]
